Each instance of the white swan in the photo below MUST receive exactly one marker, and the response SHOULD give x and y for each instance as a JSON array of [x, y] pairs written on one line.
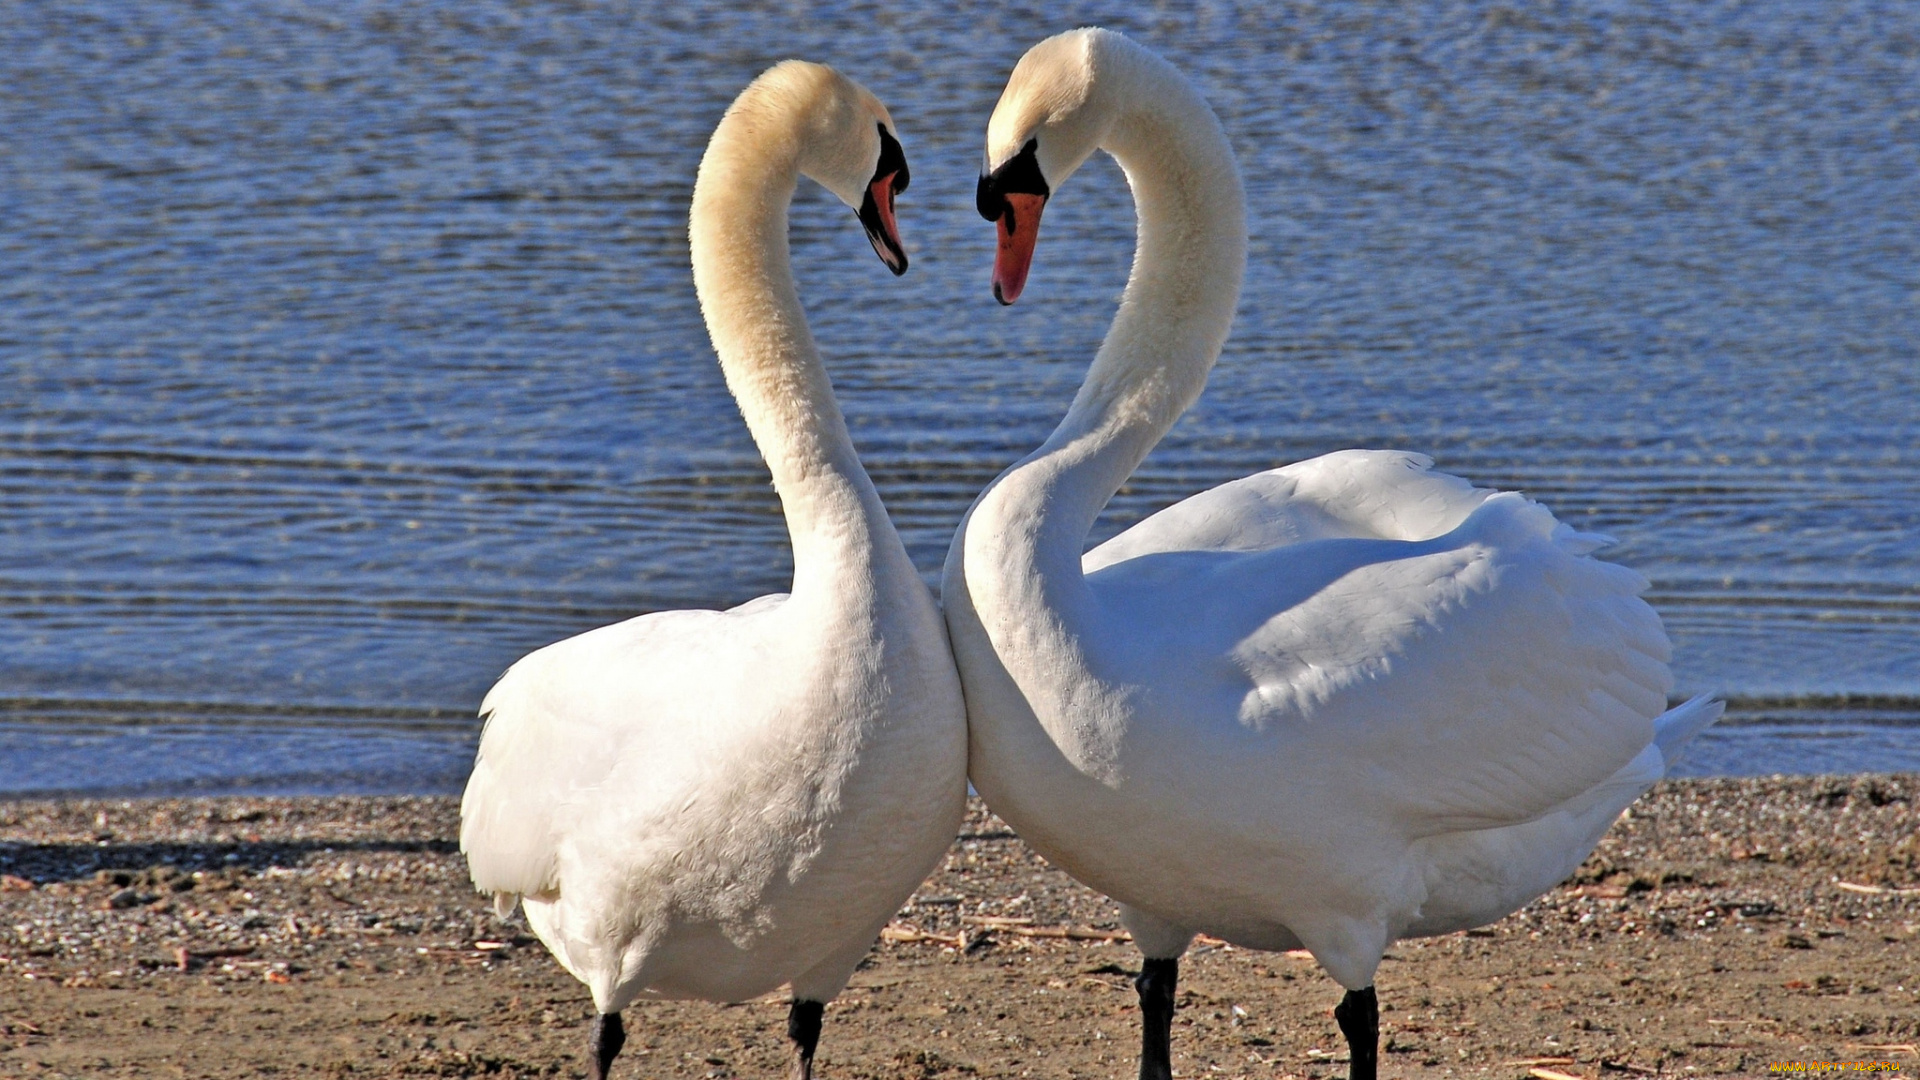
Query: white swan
[[1330, 705], [708, 804]]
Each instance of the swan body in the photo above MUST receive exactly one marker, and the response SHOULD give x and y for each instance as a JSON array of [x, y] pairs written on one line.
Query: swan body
[[710, 804], [1326, 706]]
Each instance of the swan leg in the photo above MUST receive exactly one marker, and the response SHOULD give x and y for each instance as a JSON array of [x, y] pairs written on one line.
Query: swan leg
[[1156, 984], [608, 1037], [1358, 1015], [803, 1028]]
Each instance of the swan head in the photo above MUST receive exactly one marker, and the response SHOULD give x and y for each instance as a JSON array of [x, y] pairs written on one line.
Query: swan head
[[845, 143], [1050, 119]]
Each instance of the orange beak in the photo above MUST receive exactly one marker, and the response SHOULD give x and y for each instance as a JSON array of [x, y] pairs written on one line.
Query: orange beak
[[1019, 229], [876, 213], [890, 178]]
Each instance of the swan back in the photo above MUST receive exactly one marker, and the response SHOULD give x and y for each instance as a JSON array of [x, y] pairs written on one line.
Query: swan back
[[1352, 494]]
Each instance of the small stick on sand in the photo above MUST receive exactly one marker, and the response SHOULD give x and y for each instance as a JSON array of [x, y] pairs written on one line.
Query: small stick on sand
[[1887, 1048], [908, 935], [184, 957], [1025, 928], [1874, 890]]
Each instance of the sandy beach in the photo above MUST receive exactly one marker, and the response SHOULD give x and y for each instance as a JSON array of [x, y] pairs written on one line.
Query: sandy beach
[[1722, 926]]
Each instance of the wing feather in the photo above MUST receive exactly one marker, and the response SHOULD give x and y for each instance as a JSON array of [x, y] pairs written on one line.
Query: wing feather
[[1353, 494], [561, 719], [1449, 655]]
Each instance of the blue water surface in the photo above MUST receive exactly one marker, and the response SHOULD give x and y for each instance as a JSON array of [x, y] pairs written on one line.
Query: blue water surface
[[350, 352]]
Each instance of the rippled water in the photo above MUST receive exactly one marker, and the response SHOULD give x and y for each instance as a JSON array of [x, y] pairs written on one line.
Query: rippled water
[[350, 350]]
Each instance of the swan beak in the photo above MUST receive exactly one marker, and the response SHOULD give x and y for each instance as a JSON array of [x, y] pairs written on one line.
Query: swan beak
[[1019, 229], [876, 213]]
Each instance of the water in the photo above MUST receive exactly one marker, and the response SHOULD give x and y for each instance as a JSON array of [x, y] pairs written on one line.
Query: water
[[350, 352]]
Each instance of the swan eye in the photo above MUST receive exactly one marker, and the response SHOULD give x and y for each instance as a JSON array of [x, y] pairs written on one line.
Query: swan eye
[[988, 201], [1020, 175], [893, 161]]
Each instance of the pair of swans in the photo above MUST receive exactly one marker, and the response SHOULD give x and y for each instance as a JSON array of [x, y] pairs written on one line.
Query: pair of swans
[[1326, 706]]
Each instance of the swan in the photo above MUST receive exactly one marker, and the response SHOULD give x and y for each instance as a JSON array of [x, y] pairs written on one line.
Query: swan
[[711, 804], [1327, 706]]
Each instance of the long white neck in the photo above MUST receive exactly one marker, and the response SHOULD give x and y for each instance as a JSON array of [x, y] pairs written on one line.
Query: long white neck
[[1173, 318], [742, 272]]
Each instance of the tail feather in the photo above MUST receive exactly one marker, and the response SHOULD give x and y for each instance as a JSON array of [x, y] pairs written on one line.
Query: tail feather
[[1673, 729]]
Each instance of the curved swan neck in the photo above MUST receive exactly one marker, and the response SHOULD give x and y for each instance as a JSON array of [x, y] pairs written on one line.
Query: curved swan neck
[[744, 278], [1189, 258]]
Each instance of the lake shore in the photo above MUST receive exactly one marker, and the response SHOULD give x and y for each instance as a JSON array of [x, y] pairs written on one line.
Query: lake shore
[[1723, 925]]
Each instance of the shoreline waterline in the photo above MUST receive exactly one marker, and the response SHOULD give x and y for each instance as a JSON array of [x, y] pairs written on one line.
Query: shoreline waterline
[[431, 754]]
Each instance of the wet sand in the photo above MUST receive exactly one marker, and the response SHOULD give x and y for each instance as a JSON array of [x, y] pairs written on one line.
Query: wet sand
[[1722, 926]]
